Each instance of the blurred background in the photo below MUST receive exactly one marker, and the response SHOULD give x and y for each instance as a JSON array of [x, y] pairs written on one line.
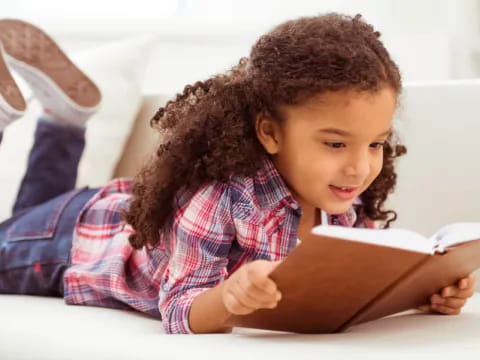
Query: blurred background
[[429, 39]]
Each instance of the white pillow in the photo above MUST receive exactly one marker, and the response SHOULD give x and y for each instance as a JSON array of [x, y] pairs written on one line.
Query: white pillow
[[117, 68]]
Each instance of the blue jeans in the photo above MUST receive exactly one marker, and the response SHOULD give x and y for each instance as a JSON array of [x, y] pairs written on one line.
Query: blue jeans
[[35, 242]]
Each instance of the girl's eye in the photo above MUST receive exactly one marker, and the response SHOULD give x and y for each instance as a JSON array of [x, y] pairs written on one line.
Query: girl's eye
[[377, 145], [335, 145]]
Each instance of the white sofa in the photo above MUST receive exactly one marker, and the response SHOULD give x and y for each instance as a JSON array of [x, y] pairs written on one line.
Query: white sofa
[[438, 184]]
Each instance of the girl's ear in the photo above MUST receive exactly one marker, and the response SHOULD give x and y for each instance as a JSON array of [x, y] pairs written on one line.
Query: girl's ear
[[268, 133]]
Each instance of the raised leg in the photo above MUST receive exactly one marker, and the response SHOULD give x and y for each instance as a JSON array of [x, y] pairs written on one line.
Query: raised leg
[[52, 163]]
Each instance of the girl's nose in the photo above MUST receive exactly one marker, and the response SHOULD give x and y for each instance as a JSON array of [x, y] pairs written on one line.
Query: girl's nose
[[358, 166]]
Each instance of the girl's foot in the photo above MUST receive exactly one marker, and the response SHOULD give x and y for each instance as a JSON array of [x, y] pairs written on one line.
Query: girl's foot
[[12, 103], [66, 93]]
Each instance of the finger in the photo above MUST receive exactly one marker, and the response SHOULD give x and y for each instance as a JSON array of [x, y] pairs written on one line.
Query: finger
[[465, 282], [258, 276], [260, 295], [275, 263], [472, 277], [454, 302], [451, 290], [446, 310], [464, 293], [234, 306], [266, 267], [257, 295], [255, 298], [469, 281], [241, 298]]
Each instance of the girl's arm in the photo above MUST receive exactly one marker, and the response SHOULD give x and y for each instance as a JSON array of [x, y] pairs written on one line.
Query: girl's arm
[[199, 243], [208, 313], [194, 295], [247, 290]]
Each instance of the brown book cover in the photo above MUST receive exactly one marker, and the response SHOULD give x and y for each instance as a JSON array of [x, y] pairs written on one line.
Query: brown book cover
[[330, 284]]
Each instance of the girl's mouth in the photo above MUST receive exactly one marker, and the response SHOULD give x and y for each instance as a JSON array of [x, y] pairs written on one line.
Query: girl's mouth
[[344, 192]]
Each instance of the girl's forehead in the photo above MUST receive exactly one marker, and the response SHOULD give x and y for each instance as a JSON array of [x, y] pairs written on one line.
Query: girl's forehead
[[356, 112]]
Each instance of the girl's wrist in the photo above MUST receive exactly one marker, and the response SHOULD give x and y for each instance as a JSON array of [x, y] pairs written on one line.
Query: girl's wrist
[[208, 313]]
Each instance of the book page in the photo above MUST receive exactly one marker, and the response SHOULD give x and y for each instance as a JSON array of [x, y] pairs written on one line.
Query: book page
[[456, 233], [396, 238]]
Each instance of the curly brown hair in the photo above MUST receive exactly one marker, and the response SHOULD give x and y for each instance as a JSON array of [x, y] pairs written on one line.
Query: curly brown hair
[[208, 131]]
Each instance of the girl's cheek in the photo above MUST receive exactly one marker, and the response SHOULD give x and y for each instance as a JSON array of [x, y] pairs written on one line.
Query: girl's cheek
[[377, 164], [375, 169]]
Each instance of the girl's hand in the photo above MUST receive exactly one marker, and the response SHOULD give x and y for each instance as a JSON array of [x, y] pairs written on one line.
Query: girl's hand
[[249, 288], [451, 299]]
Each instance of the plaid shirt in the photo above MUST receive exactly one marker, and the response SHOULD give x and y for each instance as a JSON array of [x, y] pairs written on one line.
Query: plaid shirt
[[214, 230]]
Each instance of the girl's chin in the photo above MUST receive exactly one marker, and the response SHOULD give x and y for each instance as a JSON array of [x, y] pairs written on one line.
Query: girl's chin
[[337, 209]]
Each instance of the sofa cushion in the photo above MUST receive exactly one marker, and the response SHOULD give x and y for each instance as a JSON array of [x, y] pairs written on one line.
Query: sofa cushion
[[45, 328]]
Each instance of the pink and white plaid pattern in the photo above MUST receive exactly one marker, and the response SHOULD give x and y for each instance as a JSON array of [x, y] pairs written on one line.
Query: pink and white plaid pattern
[[214, 230]]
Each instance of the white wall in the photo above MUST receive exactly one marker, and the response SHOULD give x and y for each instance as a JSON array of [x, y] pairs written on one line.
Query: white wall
[[430, 39]]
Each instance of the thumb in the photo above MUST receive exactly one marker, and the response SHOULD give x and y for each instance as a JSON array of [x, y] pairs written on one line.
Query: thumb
[[274, 264], [266, 267]]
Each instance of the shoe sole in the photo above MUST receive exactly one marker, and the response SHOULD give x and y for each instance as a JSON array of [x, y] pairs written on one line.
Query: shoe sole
[[9, 90], [32, 47]]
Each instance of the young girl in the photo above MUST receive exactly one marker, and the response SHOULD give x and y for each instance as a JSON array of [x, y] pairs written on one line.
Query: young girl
[[247, 159]]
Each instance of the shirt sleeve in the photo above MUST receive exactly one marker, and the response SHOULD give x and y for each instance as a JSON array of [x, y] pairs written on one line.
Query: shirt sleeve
[[198, 244]]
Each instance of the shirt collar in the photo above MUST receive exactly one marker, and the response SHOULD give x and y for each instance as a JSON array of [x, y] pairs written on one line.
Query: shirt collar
[[271, 188], [347, 219]]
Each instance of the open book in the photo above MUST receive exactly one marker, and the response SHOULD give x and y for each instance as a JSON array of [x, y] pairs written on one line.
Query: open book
[[338, 276]]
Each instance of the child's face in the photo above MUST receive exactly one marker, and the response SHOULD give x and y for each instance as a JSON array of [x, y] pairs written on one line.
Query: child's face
[[330, 142]]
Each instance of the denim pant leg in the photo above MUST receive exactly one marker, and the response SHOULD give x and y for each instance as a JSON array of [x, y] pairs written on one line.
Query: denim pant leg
[[52, 163], [35, 245]]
